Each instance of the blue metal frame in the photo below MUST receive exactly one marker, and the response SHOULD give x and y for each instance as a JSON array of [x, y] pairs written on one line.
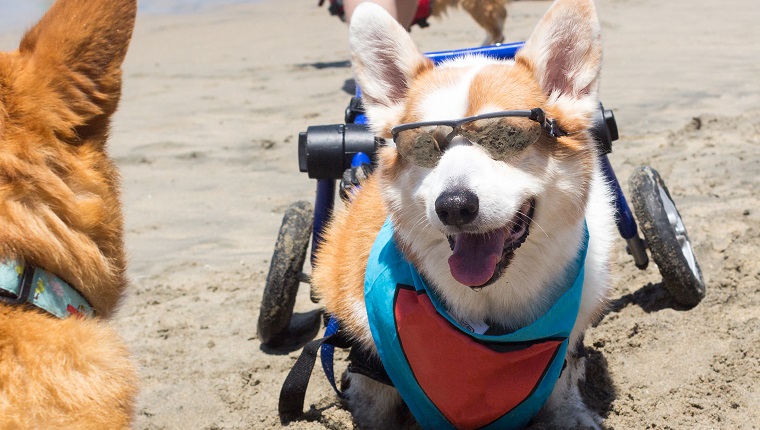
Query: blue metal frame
[[624, 219], [625, 223], [504, 51], [323, 207]]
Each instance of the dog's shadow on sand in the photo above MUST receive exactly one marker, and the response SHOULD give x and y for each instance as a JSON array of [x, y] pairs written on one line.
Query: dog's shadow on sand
[[349, 86], [303, 327], [598, 389], [650, 298]]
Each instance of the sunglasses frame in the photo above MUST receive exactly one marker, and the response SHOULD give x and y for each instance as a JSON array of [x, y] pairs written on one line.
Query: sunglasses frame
[[538, 115]]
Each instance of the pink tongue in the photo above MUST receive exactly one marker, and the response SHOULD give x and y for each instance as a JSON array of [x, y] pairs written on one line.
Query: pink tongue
[[476, 256]]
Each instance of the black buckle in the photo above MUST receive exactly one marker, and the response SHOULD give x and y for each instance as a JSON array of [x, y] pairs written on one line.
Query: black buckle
[[355, 107], [27, 276]]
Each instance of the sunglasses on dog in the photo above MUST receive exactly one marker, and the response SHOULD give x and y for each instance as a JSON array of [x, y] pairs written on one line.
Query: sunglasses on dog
[[502, 134]]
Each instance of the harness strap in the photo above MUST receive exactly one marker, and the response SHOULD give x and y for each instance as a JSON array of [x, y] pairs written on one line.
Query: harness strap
[[293, 390], [327, 352], [362, 362], [423, 13]]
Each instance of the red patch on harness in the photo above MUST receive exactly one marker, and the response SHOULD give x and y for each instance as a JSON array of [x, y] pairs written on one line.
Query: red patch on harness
[[470, 382]]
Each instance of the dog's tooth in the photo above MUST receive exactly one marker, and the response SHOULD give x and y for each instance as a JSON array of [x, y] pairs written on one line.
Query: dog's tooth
[[476, 289]]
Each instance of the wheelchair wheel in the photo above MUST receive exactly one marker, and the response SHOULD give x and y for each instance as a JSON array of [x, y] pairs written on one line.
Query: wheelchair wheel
[[285, 272], [666, 237]]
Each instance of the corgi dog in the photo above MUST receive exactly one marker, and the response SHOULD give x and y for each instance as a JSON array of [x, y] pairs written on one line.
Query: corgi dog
[[489, 14], [62, 259], [489, 193]]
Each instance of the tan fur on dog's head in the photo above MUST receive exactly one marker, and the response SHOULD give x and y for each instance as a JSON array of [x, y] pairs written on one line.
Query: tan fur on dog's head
[[558, 71], [59, 199]]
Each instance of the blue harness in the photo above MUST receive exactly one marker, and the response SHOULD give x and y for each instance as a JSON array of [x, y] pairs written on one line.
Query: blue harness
[[439, 385]]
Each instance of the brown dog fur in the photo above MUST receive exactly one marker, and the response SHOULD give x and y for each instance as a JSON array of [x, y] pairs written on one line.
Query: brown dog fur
[[489, 14], [342, 262], [60, 211]]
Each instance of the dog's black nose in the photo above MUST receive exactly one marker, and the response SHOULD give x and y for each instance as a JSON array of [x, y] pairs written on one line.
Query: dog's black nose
[[457, 207]]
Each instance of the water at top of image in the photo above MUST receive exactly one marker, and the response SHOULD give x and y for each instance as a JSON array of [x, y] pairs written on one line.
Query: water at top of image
[[18, 15]]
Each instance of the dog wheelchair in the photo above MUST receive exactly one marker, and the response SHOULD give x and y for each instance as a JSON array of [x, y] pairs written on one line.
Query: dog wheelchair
[[346, 152]]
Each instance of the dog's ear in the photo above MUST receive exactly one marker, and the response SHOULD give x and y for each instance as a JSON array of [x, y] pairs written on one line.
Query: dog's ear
[[75, 53], [385, 61], [565, 52]]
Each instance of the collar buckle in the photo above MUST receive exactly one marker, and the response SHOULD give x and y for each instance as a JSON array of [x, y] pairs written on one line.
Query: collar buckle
[[25, 288]]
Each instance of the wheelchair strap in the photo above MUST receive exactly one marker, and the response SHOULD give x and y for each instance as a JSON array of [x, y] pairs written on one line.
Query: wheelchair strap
[[293, 390]]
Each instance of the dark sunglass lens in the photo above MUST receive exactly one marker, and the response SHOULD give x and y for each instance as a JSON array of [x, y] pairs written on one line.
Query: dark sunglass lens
[[423, 146], [503, 137], [419, 147]]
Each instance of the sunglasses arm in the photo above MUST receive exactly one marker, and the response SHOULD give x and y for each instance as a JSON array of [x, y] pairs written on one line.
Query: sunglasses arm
[[549, 125]]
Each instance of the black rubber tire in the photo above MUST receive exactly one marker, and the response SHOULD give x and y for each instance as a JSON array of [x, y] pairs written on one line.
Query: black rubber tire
[[283, 279], [679, 269]]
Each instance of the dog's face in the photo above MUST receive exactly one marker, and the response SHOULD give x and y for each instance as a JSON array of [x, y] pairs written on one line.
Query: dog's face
[[59, 205], [500, 200]]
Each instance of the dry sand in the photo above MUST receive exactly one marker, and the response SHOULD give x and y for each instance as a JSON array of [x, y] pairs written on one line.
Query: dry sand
[[206, 140]]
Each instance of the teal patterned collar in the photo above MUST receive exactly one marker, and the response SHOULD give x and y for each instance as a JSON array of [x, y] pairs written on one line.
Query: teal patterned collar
[[20, 283]]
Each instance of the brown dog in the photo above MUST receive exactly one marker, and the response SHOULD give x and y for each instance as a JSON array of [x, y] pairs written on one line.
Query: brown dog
[[489, 14], [60, 223]]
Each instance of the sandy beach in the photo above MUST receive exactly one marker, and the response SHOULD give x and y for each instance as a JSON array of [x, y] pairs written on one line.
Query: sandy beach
[[206, 136]]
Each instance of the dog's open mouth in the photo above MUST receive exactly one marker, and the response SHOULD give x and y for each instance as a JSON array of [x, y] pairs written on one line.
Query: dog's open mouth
[[480, 259]]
